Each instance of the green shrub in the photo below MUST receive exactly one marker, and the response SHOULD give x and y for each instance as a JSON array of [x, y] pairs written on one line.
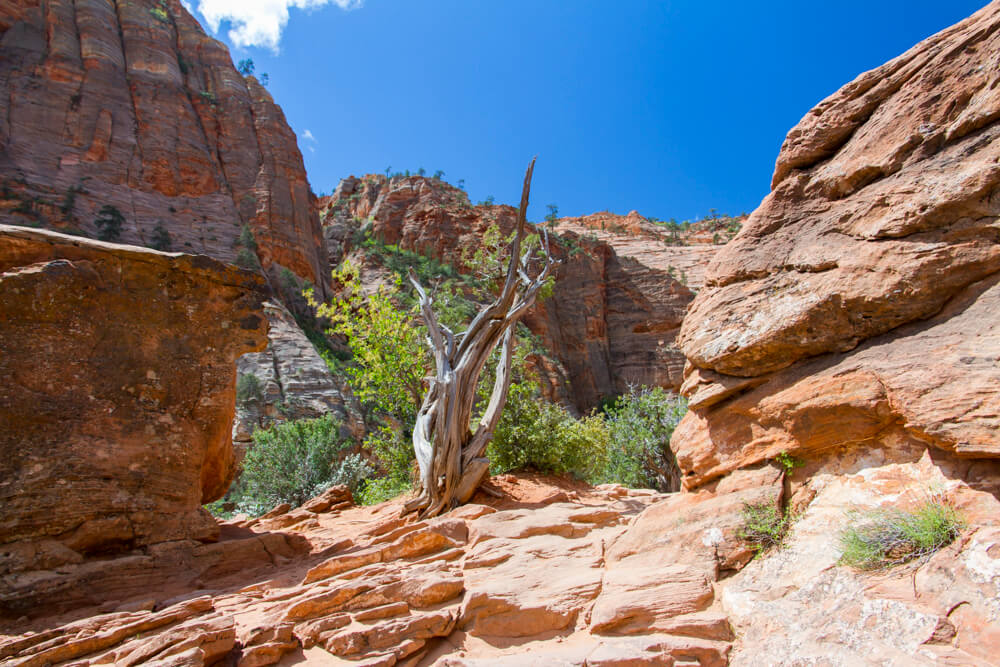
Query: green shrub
[[109, 223], [160, 239], [886, 537], [764, 525], [295, 461], [638, 454], [248, 388], [247, 259], [538, 435]]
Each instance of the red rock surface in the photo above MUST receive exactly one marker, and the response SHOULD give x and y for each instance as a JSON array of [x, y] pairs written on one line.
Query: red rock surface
[[858, 304], [131, 105], [612, 318], [554, 572], [118, 395]]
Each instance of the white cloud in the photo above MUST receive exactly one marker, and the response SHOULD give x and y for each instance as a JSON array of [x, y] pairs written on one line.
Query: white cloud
[[308, 135], [311, 149], [259, 22]]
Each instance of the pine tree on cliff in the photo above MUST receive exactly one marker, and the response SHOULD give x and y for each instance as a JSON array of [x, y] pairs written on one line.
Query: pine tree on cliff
[[449, 453]]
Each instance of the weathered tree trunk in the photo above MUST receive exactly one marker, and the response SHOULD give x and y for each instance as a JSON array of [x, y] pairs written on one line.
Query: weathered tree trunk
[[450, 454]]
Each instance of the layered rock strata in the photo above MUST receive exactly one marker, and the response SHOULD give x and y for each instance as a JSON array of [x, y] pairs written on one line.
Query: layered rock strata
[[612, 318], [291, 381], [118, 395], [131, 107]]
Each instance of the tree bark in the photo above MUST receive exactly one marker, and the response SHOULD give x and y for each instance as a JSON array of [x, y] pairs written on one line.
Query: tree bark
[[451, 455]]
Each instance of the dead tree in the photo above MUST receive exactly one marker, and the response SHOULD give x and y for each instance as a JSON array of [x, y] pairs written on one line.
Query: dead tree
[[449, 452]]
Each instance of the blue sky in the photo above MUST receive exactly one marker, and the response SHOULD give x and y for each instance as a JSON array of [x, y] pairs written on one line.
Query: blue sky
[[669, 108]]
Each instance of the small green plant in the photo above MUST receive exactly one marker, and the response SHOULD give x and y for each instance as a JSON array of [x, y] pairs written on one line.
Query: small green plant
[[160, 240], [160, 12], [248, 388], [764, 525], [246, 257], [788, 462], [70, 201], [109, 223], [245, 67], [883, 538], [208, 96]]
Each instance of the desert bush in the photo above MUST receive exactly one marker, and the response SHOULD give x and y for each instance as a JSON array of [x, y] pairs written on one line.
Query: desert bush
[[534, 434], [764, 525], [294, 461], [638, 453], [882, 538]]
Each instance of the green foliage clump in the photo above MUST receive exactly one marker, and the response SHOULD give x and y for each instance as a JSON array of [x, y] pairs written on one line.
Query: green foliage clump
[[538, 435], [160, 12], [883, 538], [788, 462], [294, 461], [246, 67], [109, 223], [161, 238], [386, 373], [246, 257], [638, 454], [764, 525], [248, 388]]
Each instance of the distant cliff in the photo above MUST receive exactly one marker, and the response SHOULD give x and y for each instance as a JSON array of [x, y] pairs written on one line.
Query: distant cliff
[[129, 114]]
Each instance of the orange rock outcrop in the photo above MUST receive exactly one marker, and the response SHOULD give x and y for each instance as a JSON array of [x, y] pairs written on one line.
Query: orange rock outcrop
[[858, 304], [118, 395]]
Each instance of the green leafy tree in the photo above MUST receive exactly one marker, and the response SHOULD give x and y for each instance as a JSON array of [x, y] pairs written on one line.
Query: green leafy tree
[[246, 67], [553, 215]]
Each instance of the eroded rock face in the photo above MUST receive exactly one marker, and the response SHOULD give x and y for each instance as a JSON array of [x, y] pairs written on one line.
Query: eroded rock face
[[293, 382], [118, 394], [130, 105], [858, 304], [612, 318]]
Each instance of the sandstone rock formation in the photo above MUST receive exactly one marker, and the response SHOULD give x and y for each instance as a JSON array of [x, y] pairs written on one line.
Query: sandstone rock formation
[[852, 324], [540, 575], [118, 394], [858, 304], [684, 253], [612, 318], [130, 105], [292, 382]]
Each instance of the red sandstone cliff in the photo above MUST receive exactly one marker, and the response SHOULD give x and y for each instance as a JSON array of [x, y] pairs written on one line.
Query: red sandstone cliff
[[612, 318], [131, 105]]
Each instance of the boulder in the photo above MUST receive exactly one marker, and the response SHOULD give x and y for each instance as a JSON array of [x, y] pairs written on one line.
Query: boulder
[[119, 393], [858, 303]]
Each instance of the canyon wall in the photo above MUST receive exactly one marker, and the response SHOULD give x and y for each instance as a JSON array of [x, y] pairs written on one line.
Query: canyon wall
[[612, 317], [130, 105]]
